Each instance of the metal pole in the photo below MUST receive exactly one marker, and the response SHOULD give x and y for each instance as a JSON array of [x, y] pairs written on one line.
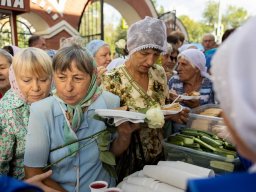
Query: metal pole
[[102, 19]]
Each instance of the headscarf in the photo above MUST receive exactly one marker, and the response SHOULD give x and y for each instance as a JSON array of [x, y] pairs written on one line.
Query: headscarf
[[94, 46], [147, 33], [76, 111], [14, 84], [197, 59], [234, 69], [115, 63]]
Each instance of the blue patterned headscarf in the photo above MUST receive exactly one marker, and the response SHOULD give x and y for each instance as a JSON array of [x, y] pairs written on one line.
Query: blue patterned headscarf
[[94, 45]]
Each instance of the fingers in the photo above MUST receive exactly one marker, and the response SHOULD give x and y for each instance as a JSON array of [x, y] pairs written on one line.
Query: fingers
[[40, 177]]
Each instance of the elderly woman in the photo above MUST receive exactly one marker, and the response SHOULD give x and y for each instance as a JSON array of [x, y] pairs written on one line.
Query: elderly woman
[[68, 116], [140, 83], [30, 78], [231, 81], [5, 63], [100, 51], [192, 77]]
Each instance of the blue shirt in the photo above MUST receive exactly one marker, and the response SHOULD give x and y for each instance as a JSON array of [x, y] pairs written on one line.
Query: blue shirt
[[206, 90], [45, 132]]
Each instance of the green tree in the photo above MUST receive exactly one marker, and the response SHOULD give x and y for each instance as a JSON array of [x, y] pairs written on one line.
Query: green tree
[[194, 28], [232, 17]]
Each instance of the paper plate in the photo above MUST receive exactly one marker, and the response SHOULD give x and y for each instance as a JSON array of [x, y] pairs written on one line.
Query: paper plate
[[169, 111], [186, 97], [119, 113]]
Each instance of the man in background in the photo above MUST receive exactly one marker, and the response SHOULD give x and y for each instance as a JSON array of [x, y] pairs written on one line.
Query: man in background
[[37, 41]]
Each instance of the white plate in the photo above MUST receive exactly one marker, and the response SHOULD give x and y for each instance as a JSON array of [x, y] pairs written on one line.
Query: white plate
[[171, 112], [186, 97], [119, 113]]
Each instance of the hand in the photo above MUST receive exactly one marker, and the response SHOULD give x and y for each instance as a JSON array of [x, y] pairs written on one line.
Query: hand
[[191, 103], [37, 180], [127, 128], [222, 132], [101, 70], [172, 95], [181, 117]]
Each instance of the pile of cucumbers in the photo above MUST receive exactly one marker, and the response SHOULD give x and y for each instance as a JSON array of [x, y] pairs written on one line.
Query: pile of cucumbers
[[203, 141]]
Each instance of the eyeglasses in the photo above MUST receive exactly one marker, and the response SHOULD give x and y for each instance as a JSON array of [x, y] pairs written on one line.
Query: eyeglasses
[[173, 58]]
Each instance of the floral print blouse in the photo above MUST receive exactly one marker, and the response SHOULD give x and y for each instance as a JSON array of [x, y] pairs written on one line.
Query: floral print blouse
[[120, 82], [14, 115]]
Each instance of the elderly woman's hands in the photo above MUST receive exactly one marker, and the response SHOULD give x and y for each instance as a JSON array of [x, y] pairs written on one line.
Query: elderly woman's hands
[[37, 180], [191, 103], [181, 117], [122, 142]]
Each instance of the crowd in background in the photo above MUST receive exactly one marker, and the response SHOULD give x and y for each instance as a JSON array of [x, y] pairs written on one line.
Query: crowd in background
[[49, 98]]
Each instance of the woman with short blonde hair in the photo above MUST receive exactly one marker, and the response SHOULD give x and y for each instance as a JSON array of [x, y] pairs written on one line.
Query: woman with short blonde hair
[[30, 78]]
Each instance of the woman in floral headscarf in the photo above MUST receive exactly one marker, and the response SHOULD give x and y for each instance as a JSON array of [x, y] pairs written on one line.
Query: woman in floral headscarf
[[68, 116], [30, 77], [233, 72], [140, 83]]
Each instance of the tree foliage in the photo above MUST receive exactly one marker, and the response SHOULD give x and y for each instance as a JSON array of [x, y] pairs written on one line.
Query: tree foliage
[[194, 28], [232, 17]]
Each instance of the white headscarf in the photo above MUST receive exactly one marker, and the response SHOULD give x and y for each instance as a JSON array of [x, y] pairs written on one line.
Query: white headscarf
[[197, 59], [234, 77], [147, 33]]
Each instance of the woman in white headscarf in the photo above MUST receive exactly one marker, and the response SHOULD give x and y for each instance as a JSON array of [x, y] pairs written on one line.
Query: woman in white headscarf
[[234, 80], [192, 77], [140, 83]]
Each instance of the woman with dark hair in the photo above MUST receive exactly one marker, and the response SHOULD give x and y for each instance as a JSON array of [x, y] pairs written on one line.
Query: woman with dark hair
[[58, 124]]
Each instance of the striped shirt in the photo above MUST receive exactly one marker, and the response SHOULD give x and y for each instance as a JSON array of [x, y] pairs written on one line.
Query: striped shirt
[[206, 90]]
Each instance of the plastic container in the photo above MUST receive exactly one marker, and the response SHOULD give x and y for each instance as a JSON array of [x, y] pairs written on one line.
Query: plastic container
[[203, 122], [200, 158]]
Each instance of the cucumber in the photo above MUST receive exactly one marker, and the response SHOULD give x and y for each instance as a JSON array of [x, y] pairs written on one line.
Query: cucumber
[[222, 165], [212, 142], [224, 152], [204, 144], [193, 145], [193, 132], [178, 138]]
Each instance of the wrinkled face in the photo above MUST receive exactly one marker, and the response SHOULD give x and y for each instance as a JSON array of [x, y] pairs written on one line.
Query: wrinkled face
[[33, 88], [4, 74], [103, 56], [72, 85], [208, 43], [144, 59], [41, 44], [185, 70]]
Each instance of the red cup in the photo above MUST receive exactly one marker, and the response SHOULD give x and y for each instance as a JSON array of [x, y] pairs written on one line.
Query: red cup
[[98, 186], [113, 189]]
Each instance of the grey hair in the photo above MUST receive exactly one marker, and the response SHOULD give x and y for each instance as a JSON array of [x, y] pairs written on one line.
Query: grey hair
[[7, 55], [74, 53]]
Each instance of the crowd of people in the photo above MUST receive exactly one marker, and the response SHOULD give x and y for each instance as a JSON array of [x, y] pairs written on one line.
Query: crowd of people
[[49, 98]]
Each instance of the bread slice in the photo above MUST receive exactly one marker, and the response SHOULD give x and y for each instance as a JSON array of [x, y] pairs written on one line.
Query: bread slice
[[216, 112]]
